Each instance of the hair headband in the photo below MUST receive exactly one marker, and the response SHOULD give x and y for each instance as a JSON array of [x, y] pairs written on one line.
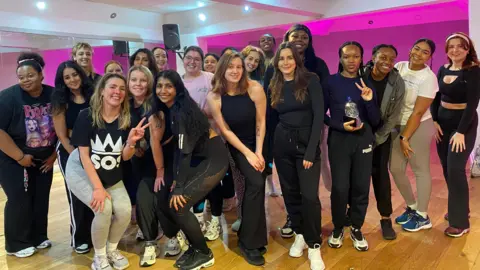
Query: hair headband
[[458, 35], [30, 59]]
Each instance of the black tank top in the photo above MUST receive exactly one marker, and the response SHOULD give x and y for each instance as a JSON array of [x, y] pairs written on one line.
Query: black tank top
[[72, 112], [240, 114]]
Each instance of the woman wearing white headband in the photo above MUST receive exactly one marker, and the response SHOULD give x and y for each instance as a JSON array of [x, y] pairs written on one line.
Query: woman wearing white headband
[[455, 116]]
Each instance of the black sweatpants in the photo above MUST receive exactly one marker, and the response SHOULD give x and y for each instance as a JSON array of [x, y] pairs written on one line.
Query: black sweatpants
[[200, 181], [81, 215], [299, 185], [253, 230], [132, 171], [149, 202], [381, 178], [228, 189], [351, 166], [454, 166], [26, 212]]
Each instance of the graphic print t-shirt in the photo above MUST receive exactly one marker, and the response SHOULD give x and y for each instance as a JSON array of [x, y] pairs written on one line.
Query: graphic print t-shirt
[[106, 146], [28, 121], [198, 87]]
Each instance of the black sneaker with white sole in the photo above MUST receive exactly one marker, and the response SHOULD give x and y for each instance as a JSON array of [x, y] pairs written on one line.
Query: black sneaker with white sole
[[287, 231], [359, 242], [198, 260], [336, 238], [82, 249]]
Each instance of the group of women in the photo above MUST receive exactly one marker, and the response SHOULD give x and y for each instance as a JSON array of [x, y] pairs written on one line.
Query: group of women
[[151, 148]]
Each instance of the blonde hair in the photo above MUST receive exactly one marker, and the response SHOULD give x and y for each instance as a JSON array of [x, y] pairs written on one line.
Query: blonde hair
[[96, 104], [147, 106], [82, 45]]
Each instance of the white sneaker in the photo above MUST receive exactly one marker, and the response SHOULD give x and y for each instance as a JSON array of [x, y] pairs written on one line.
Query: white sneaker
[[149, 257], [182, 240], [101, 263], [45, 244], [26, 252], [213, 230], [140, 236], [236, 225], [336, 238], [296, 250], [315, 257], [117, 260], [201, 221], [173, 247]]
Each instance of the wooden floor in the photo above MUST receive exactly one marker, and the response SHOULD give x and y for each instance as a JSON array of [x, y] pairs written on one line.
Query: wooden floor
[[423, 250]]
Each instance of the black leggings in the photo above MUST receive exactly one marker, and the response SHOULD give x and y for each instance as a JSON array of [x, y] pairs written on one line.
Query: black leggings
[[299, 186], [351, 166], [253, 230], [26, 212], [200, 181], [454, 166], [148, 201], [382, 186]]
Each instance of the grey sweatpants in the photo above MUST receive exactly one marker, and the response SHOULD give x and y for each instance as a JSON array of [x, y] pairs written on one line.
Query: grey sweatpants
[[104, 227], [419, 162]]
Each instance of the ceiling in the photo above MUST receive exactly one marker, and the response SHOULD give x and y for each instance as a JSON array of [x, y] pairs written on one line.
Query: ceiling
[[158, 6]]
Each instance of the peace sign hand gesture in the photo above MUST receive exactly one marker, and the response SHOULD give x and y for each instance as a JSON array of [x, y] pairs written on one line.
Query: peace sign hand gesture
[[137, 132], [367, 92]]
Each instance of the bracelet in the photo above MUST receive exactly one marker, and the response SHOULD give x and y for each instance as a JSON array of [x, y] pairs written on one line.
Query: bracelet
[[160, 168], [130, 145], [21, 158]]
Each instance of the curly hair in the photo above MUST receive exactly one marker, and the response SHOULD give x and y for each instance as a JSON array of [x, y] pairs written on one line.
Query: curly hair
[[258, 73], [152, 65], [32, 59], [184, 109], [62, 94]]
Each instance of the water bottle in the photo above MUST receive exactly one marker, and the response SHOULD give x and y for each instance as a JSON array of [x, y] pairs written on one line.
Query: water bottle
[[351, 113]]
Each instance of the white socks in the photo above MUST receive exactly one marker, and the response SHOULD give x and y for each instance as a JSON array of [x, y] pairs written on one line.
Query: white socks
[[111, 247], [217, 219], [101, 252], [413, 206]]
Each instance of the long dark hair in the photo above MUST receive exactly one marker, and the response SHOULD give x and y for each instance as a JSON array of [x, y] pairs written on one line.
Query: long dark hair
[[62, 94], [302, 75], [184, 109], [375, 50], [159, 48], [361, 71], [152, 65], [310, 57]]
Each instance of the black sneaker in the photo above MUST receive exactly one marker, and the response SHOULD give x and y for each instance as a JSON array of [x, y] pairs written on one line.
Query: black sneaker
[[182, 259], [198, 260], [336, 238], [262, 250], [252, 256], [287, 231], [82, 249], [359, 242], [387, 230]]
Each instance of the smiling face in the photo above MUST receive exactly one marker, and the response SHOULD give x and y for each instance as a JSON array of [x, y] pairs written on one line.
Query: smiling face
[[351, 58], [210, 64], [252, 61], [114, 92], [420, 54], [83, 57], [29, 78], [166, 91], [300, 40], [266, 43], [160, 58], [234, 71], [138, 84], [114, 68], [457, 50], [192, 62], [72, 79], [384, 60], [141, 59], [286, 63]]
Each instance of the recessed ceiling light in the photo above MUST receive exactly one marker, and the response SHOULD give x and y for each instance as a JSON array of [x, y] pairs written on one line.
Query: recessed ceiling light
[[202, 17], [247, 8], [41, 5], [200, 4]]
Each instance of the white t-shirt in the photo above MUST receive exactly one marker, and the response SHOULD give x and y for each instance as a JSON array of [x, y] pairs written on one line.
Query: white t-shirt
[[199, 87], [418, 83]]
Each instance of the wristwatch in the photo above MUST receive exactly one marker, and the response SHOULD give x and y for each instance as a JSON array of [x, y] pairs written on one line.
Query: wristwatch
[[403, 138]]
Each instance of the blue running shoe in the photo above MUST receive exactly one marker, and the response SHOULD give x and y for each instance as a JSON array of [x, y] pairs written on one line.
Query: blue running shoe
[[417, 223], [406, 216]]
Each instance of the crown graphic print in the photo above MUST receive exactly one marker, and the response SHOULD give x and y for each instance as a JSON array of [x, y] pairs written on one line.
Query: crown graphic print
[[106, 154]]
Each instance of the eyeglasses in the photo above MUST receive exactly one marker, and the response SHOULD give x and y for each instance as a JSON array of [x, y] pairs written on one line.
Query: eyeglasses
[[196, 59]]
